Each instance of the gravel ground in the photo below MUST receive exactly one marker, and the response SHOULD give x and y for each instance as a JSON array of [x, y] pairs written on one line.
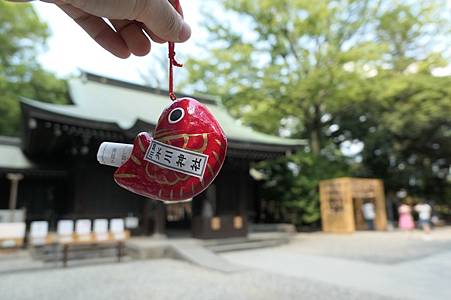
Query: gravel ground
[[165, 279]]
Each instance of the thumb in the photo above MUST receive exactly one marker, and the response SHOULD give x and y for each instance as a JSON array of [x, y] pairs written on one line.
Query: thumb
[[164, 21]]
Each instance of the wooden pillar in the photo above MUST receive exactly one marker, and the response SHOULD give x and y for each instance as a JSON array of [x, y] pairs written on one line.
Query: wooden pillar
[[381, 211], [209, 202], [243, 194], [15, 178], [159, 219], [390, 211], [120, 247], [145, 217], [65, 255], [337, 211]]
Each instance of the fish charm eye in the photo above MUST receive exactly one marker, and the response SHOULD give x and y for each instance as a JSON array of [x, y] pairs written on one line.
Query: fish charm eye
[[176, 115]]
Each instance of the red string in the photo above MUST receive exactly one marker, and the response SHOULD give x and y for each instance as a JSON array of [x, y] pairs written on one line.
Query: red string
[[172, 61]]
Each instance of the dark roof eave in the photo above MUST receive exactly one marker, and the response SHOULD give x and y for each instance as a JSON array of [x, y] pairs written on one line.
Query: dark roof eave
[[138, 127], [40, 113], [34, 172], [272, 148], [36, 112]]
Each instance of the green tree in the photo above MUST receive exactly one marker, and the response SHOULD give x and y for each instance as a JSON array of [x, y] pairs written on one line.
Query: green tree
[[291, 187], [406, 133], [22, 36], [334, 72]]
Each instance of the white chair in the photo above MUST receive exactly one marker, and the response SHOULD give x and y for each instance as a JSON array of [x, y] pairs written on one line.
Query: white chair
[[131, 222], [101, 229], [83, 229], [65, 230], [39, 231], [12, 234], [117, 229]]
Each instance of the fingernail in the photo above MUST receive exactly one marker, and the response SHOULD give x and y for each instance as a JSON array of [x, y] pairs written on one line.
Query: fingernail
[[184, 33]]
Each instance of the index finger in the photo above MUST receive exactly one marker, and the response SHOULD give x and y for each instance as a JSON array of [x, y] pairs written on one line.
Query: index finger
[[99, 30], [164, 21]]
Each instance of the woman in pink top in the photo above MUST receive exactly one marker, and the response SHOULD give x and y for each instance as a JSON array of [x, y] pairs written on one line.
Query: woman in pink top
[[405, 217]]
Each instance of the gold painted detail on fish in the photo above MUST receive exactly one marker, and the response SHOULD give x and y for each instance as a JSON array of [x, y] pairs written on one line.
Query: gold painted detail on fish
[[215, 155], [164, 180], [124, 175], [204, 145], [185, 141], [135, 160], [168, 138], [219, 143], [211, 170], [141, 146], [163, 132], [164, 138]]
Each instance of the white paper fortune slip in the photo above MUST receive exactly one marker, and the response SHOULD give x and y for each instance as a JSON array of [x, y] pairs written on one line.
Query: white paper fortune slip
[[177, 159], [114, 154]]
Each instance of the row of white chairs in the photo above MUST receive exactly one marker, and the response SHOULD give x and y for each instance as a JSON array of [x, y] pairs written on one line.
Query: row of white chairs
[[13, 234], [83, 229]]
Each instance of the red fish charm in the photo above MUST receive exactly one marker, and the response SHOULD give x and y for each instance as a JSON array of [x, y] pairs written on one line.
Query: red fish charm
[[181, 160]]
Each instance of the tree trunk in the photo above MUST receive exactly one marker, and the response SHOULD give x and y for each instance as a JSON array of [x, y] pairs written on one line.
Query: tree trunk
[[314, 141], [315, 132]]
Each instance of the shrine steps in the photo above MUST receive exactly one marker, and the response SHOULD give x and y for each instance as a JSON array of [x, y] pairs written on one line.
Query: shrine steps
[[252, 241]]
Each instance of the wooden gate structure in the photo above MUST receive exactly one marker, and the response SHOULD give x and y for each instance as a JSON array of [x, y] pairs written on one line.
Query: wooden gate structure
[[342, 200]]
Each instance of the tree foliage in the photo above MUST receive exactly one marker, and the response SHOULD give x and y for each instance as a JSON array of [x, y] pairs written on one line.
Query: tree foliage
[[22, 36], [407, 134], [292, 185], [336, 72]]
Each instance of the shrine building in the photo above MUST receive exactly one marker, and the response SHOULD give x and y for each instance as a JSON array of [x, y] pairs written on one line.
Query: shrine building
[[53, 165]]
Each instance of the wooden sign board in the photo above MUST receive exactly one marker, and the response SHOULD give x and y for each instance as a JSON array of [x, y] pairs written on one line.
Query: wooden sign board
[[215, 223], [341, 201]]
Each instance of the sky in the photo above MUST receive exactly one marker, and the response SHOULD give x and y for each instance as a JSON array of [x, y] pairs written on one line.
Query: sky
[[70, 49]]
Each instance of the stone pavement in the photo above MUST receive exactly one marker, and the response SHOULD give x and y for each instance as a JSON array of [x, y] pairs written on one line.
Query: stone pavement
[[392, 264]]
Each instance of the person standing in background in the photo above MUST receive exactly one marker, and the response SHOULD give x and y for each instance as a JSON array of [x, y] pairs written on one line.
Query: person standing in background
[[405, 217], [424, 216], [369, 214]]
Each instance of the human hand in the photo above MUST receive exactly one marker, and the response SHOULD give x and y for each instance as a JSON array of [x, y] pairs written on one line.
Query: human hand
[[130, 19]]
